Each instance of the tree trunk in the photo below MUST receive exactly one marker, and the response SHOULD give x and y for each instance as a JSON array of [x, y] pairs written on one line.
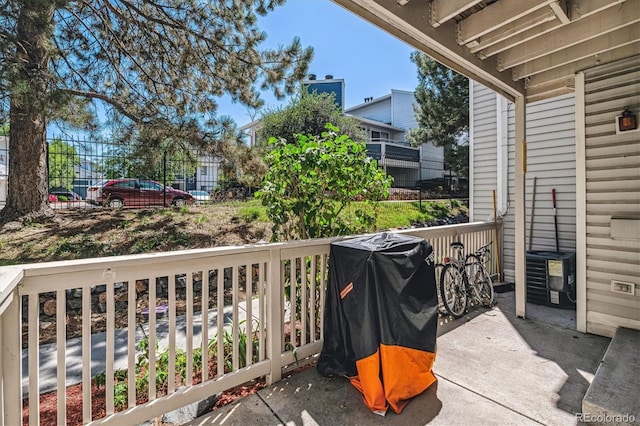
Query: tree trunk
[[28, 182]]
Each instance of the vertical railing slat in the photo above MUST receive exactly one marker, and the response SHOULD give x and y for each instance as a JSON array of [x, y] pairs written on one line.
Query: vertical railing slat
[[312, 299], [204, 310], [189, 343], [275, 313], [2, 418], [152, 337], [262, 281], [171, 386], [11, 369], [86, 354], [323, 282], [293, 309], [283, 303], [61, 340], [220, 320], [110, 349], [131, 342], [34, 360], [235, 355], [303, 298], [249, 302]]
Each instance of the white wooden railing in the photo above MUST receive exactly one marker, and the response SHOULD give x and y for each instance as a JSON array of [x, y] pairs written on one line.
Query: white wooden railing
[[248, 295]]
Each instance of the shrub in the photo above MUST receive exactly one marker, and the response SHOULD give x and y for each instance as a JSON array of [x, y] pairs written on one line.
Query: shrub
[[313, 179]]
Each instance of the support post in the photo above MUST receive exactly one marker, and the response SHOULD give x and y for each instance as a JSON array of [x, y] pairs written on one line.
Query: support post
[[520, 216], [11, 358], [581, 207], [274, 316]]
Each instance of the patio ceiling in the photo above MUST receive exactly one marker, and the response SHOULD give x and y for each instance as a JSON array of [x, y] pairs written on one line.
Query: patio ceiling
[[531, 47]]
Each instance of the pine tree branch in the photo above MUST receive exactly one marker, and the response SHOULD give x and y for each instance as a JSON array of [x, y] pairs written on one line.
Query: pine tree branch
[[95, 95]]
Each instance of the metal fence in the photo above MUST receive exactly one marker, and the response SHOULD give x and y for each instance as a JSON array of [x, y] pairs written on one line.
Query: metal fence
[[76, 165], [77, 168]]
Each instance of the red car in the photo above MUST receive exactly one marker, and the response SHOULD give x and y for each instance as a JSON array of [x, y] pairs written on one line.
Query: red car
[[136, 193]]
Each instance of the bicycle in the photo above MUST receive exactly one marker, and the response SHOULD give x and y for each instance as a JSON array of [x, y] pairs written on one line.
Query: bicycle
[[465, 277]]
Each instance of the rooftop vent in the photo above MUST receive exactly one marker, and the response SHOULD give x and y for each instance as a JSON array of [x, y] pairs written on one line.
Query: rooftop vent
[[328, 77], [312, 76]]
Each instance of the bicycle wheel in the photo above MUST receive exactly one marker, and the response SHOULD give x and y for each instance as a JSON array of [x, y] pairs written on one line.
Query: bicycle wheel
[[479, 280], [453, 290]]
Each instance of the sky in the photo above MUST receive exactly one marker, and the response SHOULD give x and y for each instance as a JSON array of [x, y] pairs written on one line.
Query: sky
[[371, 61]]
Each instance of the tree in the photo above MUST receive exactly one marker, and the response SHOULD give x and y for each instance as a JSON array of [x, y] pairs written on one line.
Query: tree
[[63, 160], [308, 114], [442, 110], [157, 67], [312, 182]]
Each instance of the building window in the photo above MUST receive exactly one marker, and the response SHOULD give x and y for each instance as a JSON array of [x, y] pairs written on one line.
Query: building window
[[203, 171], [379, 135]]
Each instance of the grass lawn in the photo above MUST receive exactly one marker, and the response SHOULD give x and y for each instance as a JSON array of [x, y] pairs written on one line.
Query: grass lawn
[[84, 233]]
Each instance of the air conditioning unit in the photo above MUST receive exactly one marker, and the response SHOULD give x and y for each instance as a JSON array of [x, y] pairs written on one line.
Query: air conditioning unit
[[551, 278]]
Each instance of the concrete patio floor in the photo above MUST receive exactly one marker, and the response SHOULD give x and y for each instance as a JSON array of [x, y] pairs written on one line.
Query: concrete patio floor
[[492, 368]]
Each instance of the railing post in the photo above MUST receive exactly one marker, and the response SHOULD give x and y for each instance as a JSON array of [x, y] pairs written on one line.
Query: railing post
[[11, 362], [274, 316]]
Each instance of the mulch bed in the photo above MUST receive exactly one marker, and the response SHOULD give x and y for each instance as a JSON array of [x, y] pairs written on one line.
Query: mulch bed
[[49, 401], [49, 410]]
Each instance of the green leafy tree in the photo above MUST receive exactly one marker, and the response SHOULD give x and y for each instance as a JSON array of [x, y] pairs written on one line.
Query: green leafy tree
[[168, 159], [308, 114], [156, 67], [313, 180], [442, 111], [63, 160]]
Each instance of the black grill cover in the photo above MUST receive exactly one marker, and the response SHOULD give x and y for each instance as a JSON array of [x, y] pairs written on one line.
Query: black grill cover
[[381, 316]]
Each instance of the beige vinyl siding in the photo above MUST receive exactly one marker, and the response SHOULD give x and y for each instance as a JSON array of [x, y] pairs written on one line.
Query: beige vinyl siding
[[483, 144], [612, 190], [550, 157]]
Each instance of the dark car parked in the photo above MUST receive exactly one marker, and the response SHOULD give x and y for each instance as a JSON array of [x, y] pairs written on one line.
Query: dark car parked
[[65, 194], [136, 193]]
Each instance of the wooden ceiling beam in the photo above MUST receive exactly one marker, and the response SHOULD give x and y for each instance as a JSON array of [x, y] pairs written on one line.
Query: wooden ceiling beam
[[410, 23], [560, 10], [523, 37], [536, 95], [571, 34], [628, 35], [496, 16], [569, 70], [527, 23], [582, 8], [578, 9], [444, 10]]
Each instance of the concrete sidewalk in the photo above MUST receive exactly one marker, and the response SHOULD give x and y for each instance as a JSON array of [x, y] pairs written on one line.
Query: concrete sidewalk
[[492, 369], [48, 353]]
